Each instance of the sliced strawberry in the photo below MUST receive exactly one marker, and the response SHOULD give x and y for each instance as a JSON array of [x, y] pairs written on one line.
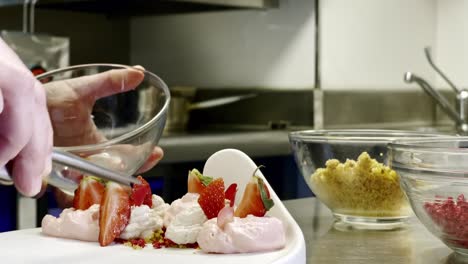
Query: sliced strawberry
[[141, 193], [256, 199], [89, 192], [211, 199], [114, 213], [197, 182], [230, 194]]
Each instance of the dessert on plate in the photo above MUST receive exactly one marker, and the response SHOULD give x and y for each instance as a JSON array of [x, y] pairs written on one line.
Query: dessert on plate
[[206, 217]]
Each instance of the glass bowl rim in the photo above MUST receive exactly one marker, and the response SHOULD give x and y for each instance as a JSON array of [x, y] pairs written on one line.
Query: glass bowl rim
[[125, 136], [358, 135], [432, 169], [409, 144]]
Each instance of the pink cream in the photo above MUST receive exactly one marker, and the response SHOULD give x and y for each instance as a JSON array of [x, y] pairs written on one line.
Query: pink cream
[[242, 235], [73, 224]]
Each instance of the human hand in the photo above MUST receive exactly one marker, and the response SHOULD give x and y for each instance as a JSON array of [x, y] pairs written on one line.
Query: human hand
[[25, 128], [70, 104]]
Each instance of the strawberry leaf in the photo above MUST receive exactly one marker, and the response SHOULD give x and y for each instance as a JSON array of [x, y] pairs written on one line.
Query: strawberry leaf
[[91, 177], [205, 180], [267, 201]]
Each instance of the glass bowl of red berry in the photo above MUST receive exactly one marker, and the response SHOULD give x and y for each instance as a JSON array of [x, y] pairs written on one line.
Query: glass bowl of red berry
[[434, 177]]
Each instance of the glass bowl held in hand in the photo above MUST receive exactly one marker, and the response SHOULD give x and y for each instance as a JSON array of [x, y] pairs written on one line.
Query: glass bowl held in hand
[[434, 178], [113, 115], [347, 170]]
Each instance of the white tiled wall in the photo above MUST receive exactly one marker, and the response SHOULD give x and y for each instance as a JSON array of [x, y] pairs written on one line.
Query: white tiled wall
[[273, 48]]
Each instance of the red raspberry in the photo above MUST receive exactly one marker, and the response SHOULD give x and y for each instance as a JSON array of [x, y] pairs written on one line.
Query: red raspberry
[[452, 217]]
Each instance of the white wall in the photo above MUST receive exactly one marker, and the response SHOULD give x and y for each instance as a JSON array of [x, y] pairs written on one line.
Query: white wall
[[273, 48], [451, 54], [365, 44], [369, 44]]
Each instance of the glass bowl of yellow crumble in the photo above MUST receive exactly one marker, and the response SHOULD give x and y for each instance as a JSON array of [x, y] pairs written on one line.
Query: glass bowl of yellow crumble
[[347, 171]]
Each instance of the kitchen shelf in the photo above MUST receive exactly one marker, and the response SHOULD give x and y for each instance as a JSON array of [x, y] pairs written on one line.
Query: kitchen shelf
[[147, 7]]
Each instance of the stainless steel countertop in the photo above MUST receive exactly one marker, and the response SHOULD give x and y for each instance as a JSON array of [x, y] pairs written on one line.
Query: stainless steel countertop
[[196, 147], [324, 244]]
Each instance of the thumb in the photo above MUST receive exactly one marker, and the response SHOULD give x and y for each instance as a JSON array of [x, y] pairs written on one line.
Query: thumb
[[139, 67], [107, 83]]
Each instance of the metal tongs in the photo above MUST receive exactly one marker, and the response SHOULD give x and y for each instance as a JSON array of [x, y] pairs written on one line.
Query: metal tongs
[[68, 160]]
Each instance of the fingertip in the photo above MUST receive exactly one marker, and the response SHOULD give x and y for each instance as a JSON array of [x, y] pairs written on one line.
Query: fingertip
[[139, 67], [43, 189], [118, 81], [47, 166], [158, 153], [134, 78], [28, 186], [27, 182]]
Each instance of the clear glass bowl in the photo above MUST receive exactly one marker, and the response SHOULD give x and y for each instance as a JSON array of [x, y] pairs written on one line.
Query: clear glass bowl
[[113, 115], [346, 170], [434, 177]]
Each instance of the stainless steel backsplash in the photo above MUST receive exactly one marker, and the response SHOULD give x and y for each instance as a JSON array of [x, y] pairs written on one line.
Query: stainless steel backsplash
[[380, 109], [300, 109], [270, 109]]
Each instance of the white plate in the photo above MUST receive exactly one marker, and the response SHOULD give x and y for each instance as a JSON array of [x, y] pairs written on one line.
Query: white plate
[[30, 246]]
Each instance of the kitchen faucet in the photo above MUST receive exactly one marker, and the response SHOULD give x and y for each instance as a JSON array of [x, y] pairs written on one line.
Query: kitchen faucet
[[459, 114]]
